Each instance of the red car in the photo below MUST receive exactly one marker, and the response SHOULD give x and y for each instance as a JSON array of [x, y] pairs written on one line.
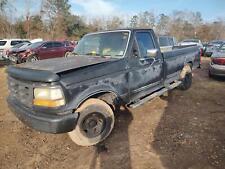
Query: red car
[[43, 50]]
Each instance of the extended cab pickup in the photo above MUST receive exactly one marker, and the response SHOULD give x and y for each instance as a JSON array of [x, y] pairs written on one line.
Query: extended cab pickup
[[79, 94]]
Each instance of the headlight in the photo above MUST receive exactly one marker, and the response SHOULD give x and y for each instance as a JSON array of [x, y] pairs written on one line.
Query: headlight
[[48, 97]]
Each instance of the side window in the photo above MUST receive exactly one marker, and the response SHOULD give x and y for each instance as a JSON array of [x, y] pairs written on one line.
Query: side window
[[145, 42], [223, 47], [57, 44], [48, 45]]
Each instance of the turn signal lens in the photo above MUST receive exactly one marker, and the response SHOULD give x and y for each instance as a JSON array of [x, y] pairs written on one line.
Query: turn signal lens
[[48, 103]]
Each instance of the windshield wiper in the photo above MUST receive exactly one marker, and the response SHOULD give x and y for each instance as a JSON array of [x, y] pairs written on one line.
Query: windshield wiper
[[111, 56], [92, 54]]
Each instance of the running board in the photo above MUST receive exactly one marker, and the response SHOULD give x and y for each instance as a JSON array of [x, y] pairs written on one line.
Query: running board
[[155, 94]]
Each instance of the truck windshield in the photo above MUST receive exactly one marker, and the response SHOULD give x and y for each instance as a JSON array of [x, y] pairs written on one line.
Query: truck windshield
[[107, 44]]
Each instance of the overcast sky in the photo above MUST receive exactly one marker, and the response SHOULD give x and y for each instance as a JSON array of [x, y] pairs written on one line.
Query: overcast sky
[[210, 9]]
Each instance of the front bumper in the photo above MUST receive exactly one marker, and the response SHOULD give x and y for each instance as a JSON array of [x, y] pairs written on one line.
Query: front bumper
[[217, 70], [49, 123]]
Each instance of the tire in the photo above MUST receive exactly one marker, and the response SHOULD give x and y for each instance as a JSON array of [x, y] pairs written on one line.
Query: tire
[[95, 123], [67, 54], [186, 82], [210, 75], [32, 58]]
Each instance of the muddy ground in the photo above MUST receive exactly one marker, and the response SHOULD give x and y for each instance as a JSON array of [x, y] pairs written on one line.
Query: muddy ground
[[185, 130]]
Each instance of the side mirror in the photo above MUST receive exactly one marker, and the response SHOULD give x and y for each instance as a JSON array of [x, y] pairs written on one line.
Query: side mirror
[[152, 52]]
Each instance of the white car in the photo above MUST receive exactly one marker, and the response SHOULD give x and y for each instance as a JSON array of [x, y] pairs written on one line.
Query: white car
[[6, 44], [188, 42]]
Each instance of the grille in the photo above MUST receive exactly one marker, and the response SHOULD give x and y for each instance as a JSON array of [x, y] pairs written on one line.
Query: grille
[[21, 91]]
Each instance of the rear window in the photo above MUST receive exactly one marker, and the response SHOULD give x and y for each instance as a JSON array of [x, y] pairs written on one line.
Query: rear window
[[15, 42], [171, 42], [163, 41], [2, 43]]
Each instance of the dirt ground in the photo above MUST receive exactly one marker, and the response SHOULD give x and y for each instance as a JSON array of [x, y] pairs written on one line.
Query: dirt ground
[[185, 130]]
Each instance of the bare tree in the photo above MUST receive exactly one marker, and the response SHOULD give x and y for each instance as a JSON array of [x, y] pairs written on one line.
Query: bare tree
[[114, 23]]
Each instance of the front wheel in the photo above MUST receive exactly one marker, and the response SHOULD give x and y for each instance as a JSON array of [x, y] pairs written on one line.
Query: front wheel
[[95, 123], [32, 58], [67, 54]]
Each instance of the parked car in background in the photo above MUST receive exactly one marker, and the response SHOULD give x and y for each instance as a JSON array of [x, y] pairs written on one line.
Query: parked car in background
[[16, 49], [6, 44], [166, 43], [205, 45], [213, 46], [43, 50], [69, 44], [191, 42], [217, 64]]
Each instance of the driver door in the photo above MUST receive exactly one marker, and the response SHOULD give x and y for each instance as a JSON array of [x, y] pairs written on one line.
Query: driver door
[[146, 72]]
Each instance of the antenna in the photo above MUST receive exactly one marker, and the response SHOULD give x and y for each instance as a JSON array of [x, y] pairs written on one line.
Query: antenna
[[42, 8]]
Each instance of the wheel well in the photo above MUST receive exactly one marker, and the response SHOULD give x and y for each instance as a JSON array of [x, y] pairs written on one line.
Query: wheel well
[[186, 69], [191, 64], [110, 98]]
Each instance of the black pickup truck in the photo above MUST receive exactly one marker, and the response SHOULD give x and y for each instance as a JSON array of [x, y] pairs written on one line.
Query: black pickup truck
[[79, 94]]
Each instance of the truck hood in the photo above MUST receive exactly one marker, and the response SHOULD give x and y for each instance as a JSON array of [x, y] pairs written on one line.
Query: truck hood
[[59, 65], [48, 70]]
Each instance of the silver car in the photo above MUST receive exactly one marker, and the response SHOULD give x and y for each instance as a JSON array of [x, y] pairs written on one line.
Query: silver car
[[212, 47], [217, 64]]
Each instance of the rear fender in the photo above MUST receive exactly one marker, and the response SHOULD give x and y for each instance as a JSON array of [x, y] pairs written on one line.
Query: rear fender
[[186, 70]]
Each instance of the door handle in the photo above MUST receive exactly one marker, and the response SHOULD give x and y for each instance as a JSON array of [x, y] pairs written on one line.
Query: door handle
[[147, 60], [159, 61]]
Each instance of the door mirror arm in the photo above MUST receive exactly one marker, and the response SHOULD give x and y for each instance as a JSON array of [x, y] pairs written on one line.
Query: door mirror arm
[[135, 53]]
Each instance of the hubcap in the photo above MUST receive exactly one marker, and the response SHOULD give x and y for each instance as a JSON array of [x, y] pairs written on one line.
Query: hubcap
[[33, 59], [93, 124]]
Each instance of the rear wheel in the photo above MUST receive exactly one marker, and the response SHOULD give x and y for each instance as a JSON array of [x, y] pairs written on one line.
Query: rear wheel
[[186, 82], [95, 123], [210, 74]]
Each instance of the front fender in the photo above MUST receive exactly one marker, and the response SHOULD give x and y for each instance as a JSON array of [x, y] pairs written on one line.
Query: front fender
[[83, 94]]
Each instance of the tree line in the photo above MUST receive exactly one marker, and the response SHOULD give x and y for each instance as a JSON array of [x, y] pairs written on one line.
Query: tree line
[[56, 21]]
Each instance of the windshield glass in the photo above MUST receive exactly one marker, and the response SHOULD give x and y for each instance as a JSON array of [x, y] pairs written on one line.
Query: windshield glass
[[35, 45], [109, 44], [18, 45]]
